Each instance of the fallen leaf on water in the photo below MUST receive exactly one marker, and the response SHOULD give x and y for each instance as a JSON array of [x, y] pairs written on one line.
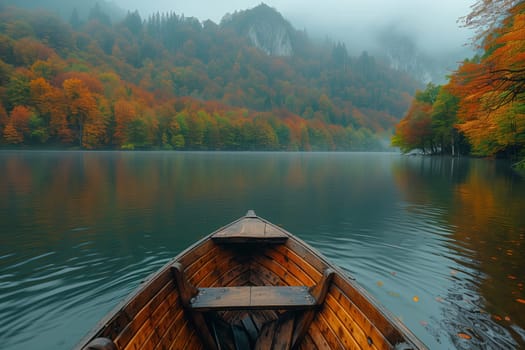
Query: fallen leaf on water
[[379, 284], [494, 258], [511, 277], [464, 336], [415, 298], [507, 318], [521, 301], [439, 299], [453, 272], [497, 318], [393, 273]]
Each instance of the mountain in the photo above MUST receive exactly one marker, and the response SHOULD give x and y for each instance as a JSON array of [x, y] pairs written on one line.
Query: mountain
[[401, 52], [173, 81], [264, 27]]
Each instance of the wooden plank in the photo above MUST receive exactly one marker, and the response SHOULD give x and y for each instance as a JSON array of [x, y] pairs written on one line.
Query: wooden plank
[[307, 344], [278, 270], [250, 327], [307, 253], [217, 268], [329, 333], [196, 272], [230, 275], [347, 333], [283, 336], [175, 322], [304, 263], [145, 295], [252, 298], [250, 230], [350, 311], [265, 340], [241, 340], [142, 316], [261, 276], [318, 337], [280, 298]]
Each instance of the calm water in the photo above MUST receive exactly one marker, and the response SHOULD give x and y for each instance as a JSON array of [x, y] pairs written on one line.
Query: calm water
[[439, 242]]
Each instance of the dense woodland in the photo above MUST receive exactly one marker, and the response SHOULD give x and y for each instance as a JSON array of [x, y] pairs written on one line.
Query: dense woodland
[[481, 110], [172, 82]]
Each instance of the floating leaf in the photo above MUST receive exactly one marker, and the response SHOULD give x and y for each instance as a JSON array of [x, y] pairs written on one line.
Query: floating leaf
[[511, 277], [464, 336], [439, 299], [521, 301], [379, 284], [393, 273], [496, 317], [453, 272], [507, 318], [415, 298], [494, 258]]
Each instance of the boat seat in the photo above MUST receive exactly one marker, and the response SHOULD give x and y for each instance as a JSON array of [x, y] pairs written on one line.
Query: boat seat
[[251, 297]]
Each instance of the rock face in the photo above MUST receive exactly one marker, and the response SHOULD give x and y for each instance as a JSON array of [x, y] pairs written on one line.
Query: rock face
[[265, 28], [275, 41]]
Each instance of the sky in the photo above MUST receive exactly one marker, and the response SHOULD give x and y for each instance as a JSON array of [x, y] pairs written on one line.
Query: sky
[[433, 24]]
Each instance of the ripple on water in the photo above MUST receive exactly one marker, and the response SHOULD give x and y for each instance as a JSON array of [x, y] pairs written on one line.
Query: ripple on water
[[419, 272], [38, 296]]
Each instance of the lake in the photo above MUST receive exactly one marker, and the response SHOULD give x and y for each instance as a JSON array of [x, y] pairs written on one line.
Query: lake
[[440, 242]]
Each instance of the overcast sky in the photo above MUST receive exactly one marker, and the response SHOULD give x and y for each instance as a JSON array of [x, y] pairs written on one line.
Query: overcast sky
[[433, 23]]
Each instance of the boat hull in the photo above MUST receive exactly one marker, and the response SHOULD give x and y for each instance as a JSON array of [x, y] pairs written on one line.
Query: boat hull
[[164, 313]]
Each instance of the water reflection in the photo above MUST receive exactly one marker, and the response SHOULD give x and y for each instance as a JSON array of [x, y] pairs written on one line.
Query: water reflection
[[484, 212], [438, 241]]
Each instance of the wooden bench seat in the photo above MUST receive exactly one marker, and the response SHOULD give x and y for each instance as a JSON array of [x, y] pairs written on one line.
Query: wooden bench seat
[[200, 300], [252, 298]]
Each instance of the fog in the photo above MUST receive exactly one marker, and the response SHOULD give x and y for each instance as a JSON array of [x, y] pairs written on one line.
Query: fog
[[431, 24]]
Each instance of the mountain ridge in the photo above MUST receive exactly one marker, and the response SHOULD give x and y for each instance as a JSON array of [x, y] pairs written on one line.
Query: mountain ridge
[[170, 57]]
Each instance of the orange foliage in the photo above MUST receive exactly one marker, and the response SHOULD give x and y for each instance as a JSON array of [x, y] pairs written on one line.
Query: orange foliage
[[18, 125], [89, 80], [125, 112], [414, 129], [492, 91], [28, 50]]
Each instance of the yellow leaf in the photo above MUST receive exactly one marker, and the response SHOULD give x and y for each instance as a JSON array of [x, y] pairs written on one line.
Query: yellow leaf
[[379, 284], [464, 336], [415, 298], [521, 301]]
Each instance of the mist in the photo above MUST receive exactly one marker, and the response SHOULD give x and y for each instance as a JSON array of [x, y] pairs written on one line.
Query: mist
[[360, 24]]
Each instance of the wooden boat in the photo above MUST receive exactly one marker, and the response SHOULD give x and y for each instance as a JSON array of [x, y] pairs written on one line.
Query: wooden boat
[[250, 285]]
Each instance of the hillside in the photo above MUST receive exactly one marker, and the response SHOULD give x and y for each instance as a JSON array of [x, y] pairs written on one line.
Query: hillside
[[168, 81]]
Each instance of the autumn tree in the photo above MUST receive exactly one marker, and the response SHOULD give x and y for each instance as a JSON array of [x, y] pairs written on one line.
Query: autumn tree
[[414, 131], [81, 106], [491, 88], [17, 128]]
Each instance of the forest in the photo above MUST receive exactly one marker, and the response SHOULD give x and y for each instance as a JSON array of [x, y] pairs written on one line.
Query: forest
[[173, 82], [481, 110]]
